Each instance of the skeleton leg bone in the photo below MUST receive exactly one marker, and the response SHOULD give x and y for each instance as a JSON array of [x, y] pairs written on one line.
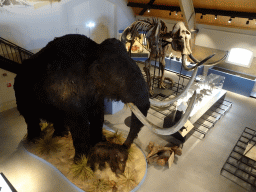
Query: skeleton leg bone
[[147, 71], [162, 68]]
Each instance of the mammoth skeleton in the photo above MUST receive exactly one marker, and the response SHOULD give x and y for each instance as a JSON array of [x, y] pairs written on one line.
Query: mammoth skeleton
[[158, 39], [154, 30]]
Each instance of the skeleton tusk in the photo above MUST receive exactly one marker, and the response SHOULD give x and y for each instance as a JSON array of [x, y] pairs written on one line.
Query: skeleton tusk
[[214, 63], [160, 130], [193, 58], [197, 65], [171, 101]]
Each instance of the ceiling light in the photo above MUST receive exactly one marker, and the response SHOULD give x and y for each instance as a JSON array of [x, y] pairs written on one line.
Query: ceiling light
[[215, 16], [148, 10], [176, 13], [247, 22], [90, 25], [229, 21]]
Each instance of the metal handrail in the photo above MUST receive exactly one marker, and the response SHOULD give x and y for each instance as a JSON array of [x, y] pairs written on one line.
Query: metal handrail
[[13, 52]]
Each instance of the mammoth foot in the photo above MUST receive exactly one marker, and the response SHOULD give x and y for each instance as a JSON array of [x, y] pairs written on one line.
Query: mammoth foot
[[34, 136], [151, 92], [162, 85], [105, 152]]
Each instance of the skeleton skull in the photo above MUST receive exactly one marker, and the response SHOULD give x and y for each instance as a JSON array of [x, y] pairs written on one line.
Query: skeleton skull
[[181, 42], [181, 38]]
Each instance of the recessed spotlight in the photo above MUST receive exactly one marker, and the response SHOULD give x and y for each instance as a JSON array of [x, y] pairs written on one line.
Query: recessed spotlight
[[176, 13], [90, 25], [148, 10], [215, 16], [229, 21]]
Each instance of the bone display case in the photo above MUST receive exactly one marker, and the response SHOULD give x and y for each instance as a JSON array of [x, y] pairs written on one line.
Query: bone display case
[[207, 102], [235, 82]]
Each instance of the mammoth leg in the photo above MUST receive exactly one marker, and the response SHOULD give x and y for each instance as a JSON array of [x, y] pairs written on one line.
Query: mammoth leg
[[33, 126], [59, 128], [80, 131], [31, 118], [96, 119], [27, 108], [136, 125]]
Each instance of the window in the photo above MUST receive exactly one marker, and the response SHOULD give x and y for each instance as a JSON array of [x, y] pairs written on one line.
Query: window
[[241, 57]]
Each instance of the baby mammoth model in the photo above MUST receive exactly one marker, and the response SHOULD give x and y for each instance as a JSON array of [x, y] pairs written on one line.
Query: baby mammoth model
[[66, 83], [108, 152]]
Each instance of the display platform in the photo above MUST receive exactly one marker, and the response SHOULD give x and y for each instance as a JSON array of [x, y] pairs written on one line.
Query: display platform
[[207, 102], [236, 82], [62, 161]]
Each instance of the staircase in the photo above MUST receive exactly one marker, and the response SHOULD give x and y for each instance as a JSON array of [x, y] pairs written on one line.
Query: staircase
[[11, 52]]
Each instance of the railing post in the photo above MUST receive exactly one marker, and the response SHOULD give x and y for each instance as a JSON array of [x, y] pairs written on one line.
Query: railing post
[[20, 55]]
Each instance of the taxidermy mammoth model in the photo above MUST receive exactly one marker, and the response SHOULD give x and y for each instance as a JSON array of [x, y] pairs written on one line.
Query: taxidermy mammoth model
[[158, 39], [69, 81]]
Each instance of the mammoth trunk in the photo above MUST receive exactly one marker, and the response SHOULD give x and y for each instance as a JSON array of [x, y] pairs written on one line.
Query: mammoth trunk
[[136, 125]]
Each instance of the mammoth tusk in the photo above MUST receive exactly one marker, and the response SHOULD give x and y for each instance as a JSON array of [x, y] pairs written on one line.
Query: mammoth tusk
[[193, 58], [124, 35], [197, 65], [164, 131], [214, 63], [170, 101]]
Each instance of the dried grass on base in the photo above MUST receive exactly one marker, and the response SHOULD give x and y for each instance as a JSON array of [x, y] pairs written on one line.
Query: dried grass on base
[[48, 145], [114, 137], [131, 153], [128, 180], [99, 185], [82, 170], [80, 174]]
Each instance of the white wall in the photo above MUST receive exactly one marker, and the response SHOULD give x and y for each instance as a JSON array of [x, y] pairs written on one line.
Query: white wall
[[101, 13], [225, 38], [33, 28], [7, 96]]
